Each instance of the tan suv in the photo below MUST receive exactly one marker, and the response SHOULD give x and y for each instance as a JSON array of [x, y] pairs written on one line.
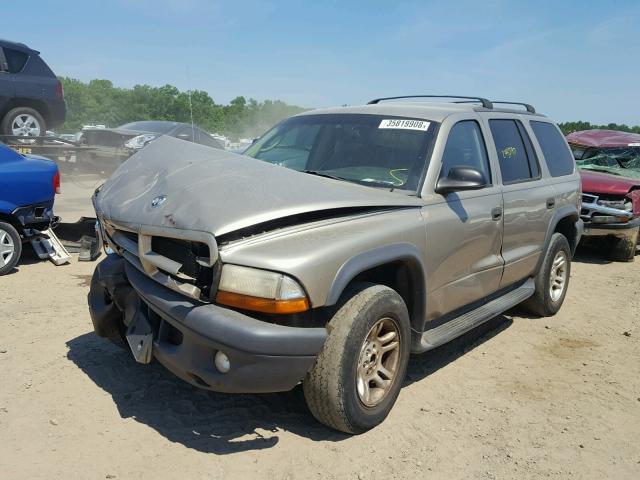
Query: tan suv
[[344, 240]]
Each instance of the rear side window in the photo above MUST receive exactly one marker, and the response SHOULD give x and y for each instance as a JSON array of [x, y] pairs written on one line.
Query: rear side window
[[518, 162], [15, 59], [465, 148], [554, 147]]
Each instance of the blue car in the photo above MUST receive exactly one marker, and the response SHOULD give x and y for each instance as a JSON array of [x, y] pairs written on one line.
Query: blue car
[[28, 185]]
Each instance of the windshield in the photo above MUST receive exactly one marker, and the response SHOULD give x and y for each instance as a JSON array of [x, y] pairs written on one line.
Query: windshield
[[628, 158], [374, 150], [149, 126]]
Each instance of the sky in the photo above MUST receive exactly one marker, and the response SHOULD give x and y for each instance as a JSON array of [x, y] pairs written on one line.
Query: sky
[[573, 60]]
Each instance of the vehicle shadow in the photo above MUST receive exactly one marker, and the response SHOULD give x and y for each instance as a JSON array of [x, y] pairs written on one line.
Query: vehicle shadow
[[592, 253], [421, 366], [226, 423]]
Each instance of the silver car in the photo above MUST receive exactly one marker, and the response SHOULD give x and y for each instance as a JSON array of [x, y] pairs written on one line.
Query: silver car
[[343, 241]]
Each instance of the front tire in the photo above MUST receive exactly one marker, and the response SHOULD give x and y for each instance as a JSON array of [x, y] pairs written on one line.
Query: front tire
[[624, 249], [10, 247], [358, 374], [552, 280]]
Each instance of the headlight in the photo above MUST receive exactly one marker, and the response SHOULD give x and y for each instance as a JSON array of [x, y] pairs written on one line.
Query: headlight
[[260, 290], [136, 143]]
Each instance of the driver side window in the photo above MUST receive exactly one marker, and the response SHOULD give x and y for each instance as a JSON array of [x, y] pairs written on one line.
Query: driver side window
[[466, 148]]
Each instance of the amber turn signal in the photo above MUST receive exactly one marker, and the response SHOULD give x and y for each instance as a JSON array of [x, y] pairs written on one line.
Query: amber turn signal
[[265, 305]]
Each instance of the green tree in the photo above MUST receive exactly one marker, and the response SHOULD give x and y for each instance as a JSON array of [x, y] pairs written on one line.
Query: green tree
[[100, 102]]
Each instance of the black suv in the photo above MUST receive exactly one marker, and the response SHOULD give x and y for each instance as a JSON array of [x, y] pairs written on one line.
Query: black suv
[[31, 96]]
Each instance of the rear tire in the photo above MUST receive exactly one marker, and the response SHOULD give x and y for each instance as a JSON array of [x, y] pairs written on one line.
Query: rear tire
[[10, 247], [358, 374], [23, 121], [552, 280]]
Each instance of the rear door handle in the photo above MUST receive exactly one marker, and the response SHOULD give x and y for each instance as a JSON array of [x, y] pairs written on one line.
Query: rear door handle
[[551, 202], [496, 213]]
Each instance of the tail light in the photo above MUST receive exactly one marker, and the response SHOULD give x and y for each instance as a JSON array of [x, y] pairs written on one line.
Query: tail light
[[59, 91], [56, 182]]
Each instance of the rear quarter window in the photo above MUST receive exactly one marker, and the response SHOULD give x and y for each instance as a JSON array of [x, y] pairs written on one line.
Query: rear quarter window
[[554, 147], [15, 59], [36, 66]]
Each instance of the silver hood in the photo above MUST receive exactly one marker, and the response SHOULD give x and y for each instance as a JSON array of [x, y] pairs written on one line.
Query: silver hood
[[219, 192]]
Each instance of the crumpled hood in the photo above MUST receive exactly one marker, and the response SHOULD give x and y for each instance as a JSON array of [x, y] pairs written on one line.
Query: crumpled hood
[[596, 182], [219, 192]]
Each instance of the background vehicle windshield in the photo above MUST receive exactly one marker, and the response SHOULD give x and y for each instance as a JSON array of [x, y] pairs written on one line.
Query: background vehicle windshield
[[608, 157], [375, 150], [149, 126]]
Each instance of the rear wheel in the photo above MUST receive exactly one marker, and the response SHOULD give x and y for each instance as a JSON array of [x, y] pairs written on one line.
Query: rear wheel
[[358, 375], [23, 121], [552, 279], [10, 247]]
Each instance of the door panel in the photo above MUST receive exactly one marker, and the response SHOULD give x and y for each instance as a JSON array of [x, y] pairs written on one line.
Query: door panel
[[526, 218], [463, 250], [528, 199]]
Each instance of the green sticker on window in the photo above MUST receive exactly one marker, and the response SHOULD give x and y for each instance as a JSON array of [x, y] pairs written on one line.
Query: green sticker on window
[[508, 152]]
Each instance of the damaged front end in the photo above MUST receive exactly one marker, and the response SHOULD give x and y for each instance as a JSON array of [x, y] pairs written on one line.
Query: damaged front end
[[613, 218], [601, 209]]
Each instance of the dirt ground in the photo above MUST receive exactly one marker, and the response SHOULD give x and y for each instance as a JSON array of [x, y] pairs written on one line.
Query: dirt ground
[[522, 398]]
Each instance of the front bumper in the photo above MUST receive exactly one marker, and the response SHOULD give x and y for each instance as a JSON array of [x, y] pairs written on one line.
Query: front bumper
[[618, 230], [187, 334]]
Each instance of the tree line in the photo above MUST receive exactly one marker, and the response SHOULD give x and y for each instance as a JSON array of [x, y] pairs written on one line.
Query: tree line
[[99, 102], [569, 127]]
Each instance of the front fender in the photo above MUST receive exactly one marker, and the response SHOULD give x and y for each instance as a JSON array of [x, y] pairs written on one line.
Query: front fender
[[364, 261]]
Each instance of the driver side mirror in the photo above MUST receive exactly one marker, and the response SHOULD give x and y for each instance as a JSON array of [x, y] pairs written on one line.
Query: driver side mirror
[[461, 178]]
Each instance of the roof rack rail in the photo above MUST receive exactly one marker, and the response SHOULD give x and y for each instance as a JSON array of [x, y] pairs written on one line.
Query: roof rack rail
[[485, 103], [529, 108]]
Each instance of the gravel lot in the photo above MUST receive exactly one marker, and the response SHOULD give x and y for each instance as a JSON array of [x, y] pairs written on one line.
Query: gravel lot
[[521, 398]]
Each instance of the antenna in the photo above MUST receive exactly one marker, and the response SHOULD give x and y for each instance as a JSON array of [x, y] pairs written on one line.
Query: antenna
[[193, 129]]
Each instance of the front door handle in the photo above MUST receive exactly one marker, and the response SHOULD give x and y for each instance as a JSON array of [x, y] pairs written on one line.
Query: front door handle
[[496, 213], [551, 202]]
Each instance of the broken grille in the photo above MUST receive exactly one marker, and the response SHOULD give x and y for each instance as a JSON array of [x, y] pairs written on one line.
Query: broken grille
[[183, 261]]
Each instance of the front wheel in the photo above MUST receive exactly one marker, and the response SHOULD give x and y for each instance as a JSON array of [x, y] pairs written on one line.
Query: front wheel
[[552, 280], [624, 249], [358, 375]]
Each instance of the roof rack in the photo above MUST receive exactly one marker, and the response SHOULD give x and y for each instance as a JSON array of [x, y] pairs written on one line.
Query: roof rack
[[485, 103], [529, 108]]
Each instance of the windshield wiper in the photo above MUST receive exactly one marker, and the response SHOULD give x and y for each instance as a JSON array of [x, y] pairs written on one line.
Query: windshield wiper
[[325, 175]]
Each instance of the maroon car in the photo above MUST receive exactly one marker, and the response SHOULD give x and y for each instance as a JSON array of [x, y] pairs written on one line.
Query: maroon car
[[609, 163]]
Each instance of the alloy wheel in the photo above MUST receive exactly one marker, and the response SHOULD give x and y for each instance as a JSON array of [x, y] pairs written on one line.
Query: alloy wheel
[[26, 125], [558, 276], [7, 248], [378, 362]]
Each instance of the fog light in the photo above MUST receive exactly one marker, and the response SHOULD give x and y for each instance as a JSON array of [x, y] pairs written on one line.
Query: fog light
[[222, 362]]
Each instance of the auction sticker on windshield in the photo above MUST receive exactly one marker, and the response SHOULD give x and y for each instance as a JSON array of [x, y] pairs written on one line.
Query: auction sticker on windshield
[[405, 124]]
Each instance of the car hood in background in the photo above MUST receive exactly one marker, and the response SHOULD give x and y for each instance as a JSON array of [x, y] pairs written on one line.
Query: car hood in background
[[596, 182], [603, 138], [200, 188], [110, 137]]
